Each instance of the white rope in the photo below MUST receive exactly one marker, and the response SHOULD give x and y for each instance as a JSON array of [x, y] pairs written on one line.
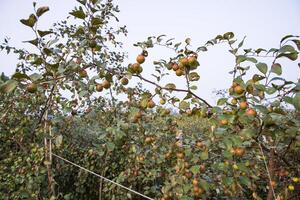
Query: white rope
[[106, 179]]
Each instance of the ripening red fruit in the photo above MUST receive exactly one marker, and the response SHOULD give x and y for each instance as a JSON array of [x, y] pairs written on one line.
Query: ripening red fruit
[[202, 168], [138, 115], [175, 66], [195, 182], [238, 89], [106, 84], [243, 105], [151, 104], [140, 59], [32, 88], [251, 112], [180, 155], [224, 122], [239, 151], [99, 87], [184, 61], [136, 67]]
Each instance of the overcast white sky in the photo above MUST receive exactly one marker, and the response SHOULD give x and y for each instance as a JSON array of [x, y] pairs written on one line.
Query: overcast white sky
[[264, 22]]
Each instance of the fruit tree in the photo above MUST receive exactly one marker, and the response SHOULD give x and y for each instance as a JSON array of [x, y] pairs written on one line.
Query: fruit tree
[[75, 96]]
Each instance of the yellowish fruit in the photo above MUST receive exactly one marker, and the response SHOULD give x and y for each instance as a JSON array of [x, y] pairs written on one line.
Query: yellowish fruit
[[195, 182], [295, 179], [179, 72], [291, 187], [180, 155], [148, 140], [124, 81], [235, 166], [233, 101], [82, 73], [162, 101]]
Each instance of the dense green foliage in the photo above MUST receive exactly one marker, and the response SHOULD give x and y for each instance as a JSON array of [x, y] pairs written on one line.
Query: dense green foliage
[[71, 98]]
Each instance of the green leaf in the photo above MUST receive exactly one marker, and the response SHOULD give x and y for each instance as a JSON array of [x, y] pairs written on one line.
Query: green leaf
[[257, 77], [257, 51], [183, 105], [203, 48], [78, 13], [204, 184], [251, 59], [204, 155], [276, 68], [287, 48], [188, 41], [44, 33], [245, 181], [30, 21], [96, 21], [110, 146], [291, 56], [242, 42], [58, 140], [227, 154], [297, 42], [194, 76], [9, 86], [262, 67], [288, 100], [227, 180], [34, 77], [193, 87], [19, 75], [195, 169], [247, 133], [83, 93], [286, 37], [221, 101], [228, 35], [83, 2], [40, 11], [261, 108], [296, 102], [170, 86], [240, 58], [270, 90], [188, 96], [33, 42]]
